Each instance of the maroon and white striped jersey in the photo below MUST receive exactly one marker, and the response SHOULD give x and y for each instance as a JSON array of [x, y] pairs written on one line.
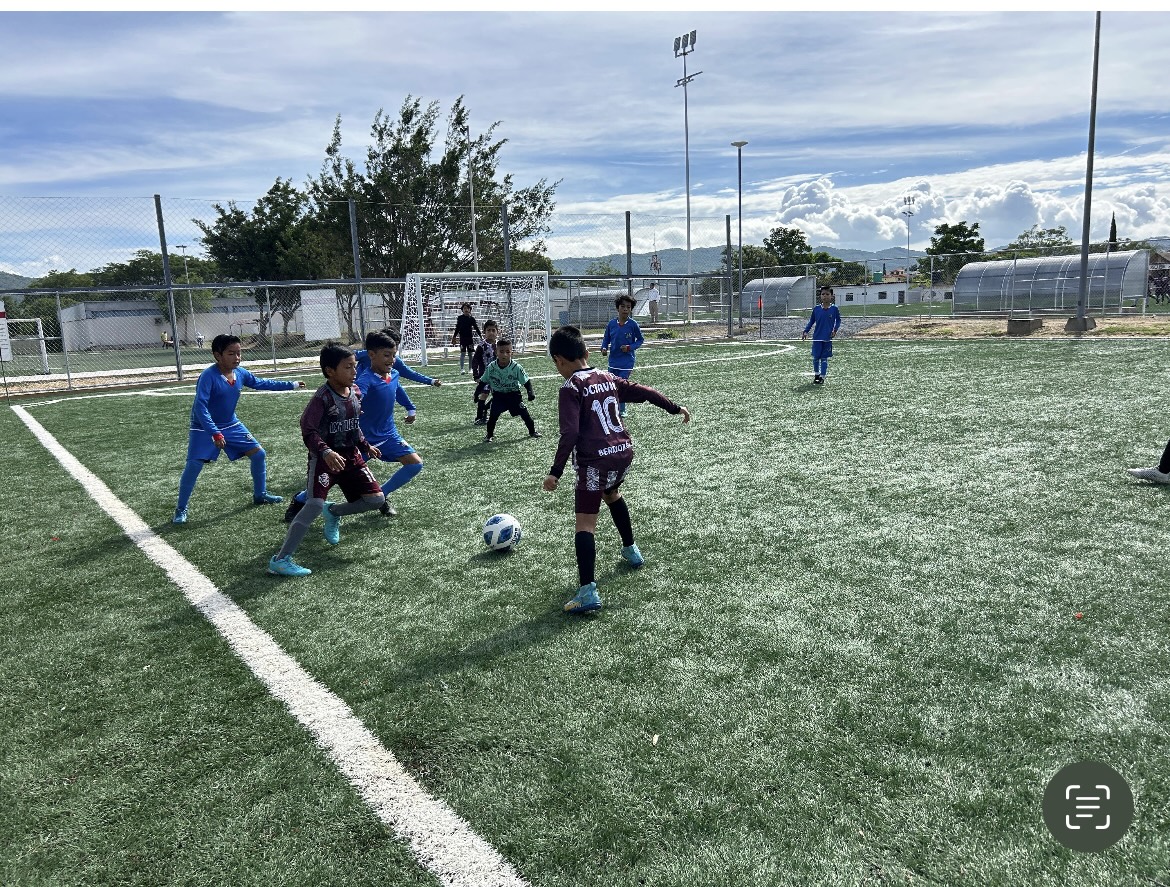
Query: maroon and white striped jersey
[[591, 428]]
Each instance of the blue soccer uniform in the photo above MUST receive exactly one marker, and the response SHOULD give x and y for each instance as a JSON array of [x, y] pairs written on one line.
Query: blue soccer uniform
[[213, 417], [617, 338], [824, 323]]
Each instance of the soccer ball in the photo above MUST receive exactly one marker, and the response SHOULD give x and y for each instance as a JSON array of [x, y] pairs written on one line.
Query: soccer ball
[[501, 532]]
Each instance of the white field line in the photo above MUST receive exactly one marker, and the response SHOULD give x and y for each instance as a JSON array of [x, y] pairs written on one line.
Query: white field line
[[438, 838], [777, 348]]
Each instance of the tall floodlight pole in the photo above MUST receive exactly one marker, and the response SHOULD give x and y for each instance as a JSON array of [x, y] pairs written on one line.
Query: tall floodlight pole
[[739, 153], [684, 46], [190, 302], [471, 186], [1083, 292], [908, 211]]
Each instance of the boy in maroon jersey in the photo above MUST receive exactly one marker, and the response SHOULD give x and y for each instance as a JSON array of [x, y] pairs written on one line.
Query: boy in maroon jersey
[[333, 435], [592, 432]]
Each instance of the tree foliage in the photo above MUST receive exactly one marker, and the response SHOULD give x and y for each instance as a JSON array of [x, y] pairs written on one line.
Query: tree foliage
[[1037, 241], [789, 246], [955, 246]]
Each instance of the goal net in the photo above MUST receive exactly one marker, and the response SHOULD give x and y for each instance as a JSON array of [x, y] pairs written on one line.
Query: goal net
[[518, 301]]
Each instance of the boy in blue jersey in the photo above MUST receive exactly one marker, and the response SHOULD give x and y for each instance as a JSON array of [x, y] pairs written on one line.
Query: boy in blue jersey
[[338, 450], [622, 338], [378, 370], [215, 426], [824, 322]]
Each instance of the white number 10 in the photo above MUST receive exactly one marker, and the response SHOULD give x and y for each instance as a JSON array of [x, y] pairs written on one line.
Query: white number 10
[[607, 414]]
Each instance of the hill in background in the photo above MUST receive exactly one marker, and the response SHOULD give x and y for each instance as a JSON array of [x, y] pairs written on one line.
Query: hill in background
[[710, 258]]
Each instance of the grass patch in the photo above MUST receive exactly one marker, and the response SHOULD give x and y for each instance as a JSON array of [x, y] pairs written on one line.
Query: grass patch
[[854, 637]]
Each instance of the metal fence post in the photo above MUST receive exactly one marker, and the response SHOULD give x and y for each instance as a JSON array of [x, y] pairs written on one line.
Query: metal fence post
[[629, 259], [729, 279], [64, 344], [271, 325], [162, 240], [357, 267], [507, 237]]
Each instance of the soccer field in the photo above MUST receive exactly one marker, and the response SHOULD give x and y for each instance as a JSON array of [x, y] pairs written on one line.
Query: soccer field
[[852, 656]]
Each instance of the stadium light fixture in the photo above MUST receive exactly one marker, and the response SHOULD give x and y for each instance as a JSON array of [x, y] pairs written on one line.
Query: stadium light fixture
[[739, 152], [908, 211], [683, 46]]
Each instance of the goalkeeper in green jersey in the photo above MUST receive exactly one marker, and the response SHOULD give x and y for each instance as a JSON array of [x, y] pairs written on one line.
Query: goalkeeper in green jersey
[[503, 378]]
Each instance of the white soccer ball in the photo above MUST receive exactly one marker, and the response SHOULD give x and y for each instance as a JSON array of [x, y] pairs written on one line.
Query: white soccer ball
[[501, 532]]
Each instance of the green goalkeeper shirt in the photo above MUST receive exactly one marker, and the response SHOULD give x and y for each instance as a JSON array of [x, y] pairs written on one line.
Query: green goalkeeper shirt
[[504, 379]]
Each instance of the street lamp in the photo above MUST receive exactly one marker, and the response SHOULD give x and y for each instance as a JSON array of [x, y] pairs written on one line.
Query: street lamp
[[739, 152], [471, 186], [908, 203], [190, 301], [683, 46]]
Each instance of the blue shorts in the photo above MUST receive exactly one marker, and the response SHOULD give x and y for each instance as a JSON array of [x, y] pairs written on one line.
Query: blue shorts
[[237, 440], [822, 349], [393, 448], [621, 372]]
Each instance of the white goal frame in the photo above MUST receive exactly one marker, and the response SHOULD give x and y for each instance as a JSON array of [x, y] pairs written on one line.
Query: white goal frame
[[518, 301]]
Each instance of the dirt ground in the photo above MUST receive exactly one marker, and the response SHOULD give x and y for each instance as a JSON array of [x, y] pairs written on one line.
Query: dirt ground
[[1053, 328]]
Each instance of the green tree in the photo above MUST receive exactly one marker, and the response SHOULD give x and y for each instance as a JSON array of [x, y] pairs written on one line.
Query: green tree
[[280, 239], [602, 268], [145, 269], [1037, 241], [789, 246], [63, 280], [955, 246]]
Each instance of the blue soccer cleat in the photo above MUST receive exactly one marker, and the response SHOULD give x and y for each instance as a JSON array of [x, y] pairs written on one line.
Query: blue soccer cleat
[[266, 498], [587, 600], [332, 526], [180, 517], [284, 566], [632, 556]]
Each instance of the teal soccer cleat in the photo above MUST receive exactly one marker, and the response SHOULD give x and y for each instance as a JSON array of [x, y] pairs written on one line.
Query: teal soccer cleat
[[332, 526], [284, 566], [180, 517], [267, 498], [587, 600], [632, 556]]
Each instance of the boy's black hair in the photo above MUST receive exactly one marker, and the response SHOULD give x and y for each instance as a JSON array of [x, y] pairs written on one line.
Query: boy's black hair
[[491, 323], [626, 297], [378, 340], [466, 305], [220, 343], [567, 342], [825, 287], [503, 343], [331, 356], [392, 333]]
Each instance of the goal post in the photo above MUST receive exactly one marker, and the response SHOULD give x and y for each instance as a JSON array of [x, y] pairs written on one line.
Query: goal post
[[518, 301]]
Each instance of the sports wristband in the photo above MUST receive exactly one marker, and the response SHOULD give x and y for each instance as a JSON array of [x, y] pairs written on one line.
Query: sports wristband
[[217, 437]]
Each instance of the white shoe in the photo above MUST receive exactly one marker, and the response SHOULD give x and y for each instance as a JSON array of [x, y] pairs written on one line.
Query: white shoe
[[1153, 475]]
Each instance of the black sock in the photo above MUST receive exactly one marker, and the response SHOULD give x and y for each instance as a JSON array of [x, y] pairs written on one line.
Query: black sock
[[620, 512], [527, 417], [586, 557], [1164, 465]]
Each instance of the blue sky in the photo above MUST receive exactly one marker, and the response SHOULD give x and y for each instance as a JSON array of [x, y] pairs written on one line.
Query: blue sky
[[982, 116]]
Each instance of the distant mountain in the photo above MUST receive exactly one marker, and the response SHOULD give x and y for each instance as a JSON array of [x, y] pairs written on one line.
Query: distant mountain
[[13, 282], [710, 258]]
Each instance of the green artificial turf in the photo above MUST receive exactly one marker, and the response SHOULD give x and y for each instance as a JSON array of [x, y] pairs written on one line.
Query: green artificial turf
[[852, 656]]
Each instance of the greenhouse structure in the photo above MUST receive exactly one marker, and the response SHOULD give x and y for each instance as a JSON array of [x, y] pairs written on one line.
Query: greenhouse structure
[[1117, 281], [776, 296]]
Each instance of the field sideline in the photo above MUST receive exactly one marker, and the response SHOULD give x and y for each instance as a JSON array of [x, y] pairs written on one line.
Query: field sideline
[[851, 657]]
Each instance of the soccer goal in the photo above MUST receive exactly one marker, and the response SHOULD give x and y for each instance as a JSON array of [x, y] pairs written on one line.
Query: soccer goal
[[518, 301]]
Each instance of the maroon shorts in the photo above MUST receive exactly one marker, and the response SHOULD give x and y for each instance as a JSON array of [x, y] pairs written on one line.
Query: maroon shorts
[[598, 477], [355, 479]]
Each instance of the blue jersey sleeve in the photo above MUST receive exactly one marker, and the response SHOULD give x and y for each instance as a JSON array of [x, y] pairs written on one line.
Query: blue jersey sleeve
[[836, 318], [362, 356], [636, 337], [607, 338], [246, 378], [403, 398], [414, 376], [811, 319], [201, 409]]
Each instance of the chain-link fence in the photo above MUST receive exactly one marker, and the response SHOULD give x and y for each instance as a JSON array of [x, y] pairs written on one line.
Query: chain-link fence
[[103, 291]]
